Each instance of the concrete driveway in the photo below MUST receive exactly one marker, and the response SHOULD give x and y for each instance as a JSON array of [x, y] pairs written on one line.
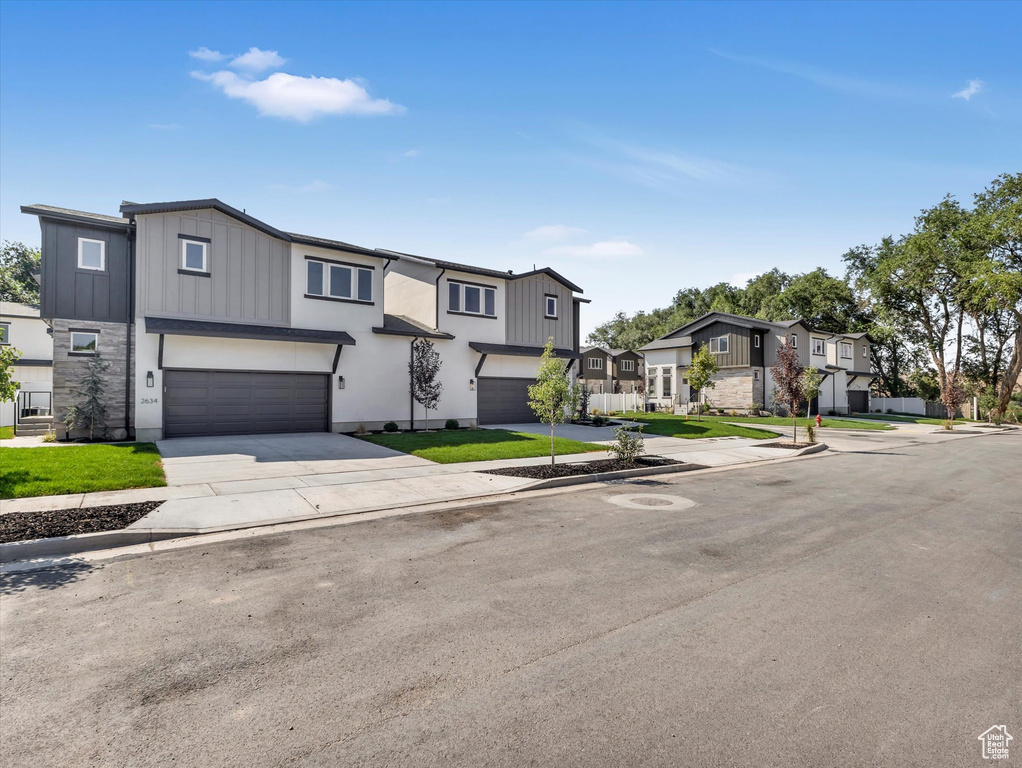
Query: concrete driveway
[[253, 459]]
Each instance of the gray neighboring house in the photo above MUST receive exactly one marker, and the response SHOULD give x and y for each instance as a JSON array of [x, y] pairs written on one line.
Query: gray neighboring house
[[745, 349], [610, 371]]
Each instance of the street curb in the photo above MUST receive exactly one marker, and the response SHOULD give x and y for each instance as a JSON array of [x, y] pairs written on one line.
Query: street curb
[[599, 477], [809, 450], [13, 551]]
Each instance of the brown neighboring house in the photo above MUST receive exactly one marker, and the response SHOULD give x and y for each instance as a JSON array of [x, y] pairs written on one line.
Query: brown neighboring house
[[610, 370]]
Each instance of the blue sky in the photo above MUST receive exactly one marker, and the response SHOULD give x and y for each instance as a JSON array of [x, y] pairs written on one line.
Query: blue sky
[[637, 148]]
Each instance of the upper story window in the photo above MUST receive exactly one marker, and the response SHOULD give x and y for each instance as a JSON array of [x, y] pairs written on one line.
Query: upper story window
[[846, 349], [665, 383], [817, 346], [84, 342], [755, 340], [794, 341], [551, 306], [340, 282], [719, 345], [91, 254], [865, 352], [628, 365], [595, 363], [471, 299], [195, 255], [5, 333]]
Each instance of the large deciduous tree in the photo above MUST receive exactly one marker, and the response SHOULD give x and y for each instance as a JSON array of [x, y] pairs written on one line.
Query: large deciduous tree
[[18, 262]]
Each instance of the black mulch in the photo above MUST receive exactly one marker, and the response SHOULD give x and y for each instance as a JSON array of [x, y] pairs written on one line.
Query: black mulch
[[547, 472], [789, 445], [23, 526]]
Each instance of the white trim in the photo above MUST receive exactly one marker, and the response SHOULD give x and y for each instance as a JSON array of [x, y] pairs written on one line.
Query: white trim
[[756, 337], [794, 340], [595, 364], [102, 254], [846, 345], [822, 345], [550, 315], [5, 337], [328, 271], [95, 345], [722, 345], [185, 242], [865, 352], [628, 365]]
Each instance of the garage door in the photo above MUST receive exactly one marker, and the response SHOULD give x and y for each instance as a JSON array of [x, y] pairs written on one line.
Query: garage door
[[238, 403], [858, 401], [505, 401]]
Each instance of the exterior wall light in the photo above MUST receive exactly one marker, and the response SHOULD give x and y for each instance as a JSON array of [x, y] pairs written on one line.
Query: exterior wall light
[[340, 382], [472, 385], [150, 381]]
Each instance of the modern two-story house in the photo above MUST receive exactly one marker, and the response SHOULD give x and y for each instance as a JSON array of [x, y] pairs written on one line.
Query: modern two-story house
[[617, 371], [745, 349], [22, 328], [217, 323]]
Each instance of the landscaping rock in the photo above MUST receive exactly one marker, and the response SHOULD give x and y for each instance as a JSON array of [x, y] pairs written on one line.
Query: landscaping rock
[[24, 526]]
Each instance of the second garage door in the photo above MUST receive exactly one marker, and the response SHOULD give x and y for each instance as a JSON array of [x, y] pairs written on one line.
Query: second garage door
[[237, 403], [505, 401], [858, 401]]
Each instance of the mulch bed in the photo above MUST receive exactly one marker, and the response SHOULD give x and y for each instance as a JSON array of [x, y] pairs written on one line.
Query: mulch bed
[[789, 445], [23, 526], [548, 472]]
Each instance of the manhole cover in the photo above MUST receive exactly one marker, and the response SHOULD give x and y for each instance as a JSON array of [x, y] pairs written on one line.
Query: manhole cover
[[647, 500]]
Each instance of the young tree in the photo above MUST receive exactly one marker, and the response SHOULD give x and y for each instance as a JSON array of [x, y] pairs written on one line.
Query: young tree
[[583, 401], [423, 370], [952, 395], [8, 386], [700, 374], [789, 380], [813, 379], [90, 410], [17, 263], [552, 397]]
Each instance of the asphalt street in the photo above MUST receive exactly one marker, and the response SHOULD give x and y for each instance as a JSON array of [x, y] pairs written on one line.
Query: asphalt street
[[843, 610]]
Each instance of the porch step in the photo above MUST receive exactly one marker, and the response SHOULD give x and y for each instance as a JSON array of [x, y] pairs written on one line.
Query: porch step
[[33, 425]]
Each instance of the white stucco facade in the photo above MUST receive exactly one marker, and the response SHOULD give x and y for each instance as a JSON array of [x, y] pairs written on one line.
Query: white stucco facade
[[30, 336]]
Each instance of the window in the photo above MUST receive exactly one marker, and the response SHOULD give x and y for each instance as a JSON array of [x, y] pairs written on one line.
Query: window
[[755, 340], [551, 307], [193, 256], [595, 363], [865, 352], [341, 282], [666, 383], [817, 346], [651, 382], [755, 375], [91, 254], [719, 345], [628, 365], [794, 341], [5, 333], [469, 299], [84, 342], [846, 349]]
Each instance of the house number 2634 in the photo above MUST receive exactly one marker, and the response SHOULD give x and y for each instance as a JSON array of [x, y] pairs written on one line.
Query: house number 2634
[[148, 400]]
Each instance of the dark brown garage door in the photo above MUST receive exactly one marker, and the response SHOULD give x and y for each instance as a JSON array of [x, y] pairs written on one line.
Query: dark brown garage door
[[858, 401], [505, 401], [238, 403]]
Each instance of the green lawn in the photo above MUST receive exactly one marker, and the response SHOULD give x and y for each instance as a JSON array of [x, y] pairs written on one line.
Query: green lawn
[[457, 445], [6, 433], [53, 470], [675, 426], [907, 418], [778, 420]]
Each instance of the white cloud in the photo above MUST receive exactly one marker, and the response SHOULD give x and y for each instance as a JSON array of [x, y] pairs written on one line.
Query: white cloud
[[970, 90], [205, 54], [255, 60], [553, 233], [300, 98], [304, 189], [607, 249]]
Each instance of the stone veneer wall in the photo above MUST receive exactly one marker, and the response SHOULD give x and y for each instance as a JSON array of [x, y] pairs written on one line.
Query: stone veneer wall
[[735, 388], [68, 371]]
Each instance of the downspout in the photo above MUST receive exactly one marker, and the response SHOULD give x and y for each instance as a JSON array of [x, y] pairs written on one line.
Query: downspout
[[437, 325], [131, 316], [411, 390]]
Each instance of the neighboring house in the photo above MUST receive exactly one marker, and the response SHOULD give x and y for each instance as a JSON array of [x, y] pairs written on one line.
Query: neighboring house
[[745, 349], [22, 328], [610, 370], [217, 323]]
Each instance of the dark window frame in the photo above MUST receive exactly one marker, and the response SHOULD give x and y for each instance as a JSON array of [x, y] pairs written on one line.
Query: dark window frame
[[5, 336], [547, 297], [483, 289], [327, 266]]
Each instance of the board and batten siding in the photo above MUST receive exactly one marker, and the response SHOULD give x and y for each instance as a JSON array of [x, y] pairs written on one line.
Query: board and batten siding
[[250, 275], [83, 294], [738, 343], [526, 310]]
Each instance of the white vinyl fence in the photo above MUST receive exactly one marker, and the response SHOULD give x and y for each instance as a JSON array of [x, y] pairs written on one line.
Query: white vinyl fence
[[913, 405], [607, 402]]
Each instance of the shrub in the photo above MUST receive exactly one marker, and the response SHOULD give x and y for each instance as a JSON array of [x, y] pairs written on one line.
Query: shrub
[[629, 445], [810, 432], [596, 412], [832, 412], [50, 437], [599, 421], [452, 424], [947, 424], [361, 430], [390, 426], [890, 410]]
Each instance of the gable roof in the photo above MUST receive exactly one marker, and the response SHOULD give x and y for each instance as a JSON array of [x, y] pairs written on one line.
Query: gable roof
[[77, 217], [132, 209], [667, 343], [552, 274]]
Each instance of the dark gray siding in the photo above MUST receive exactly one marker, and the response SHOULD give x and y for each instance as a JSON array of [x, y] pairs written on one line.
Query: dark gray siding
[[83, 294], [598, 374], [738, 343], [756, 356], [526, 310], [632, 375]]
